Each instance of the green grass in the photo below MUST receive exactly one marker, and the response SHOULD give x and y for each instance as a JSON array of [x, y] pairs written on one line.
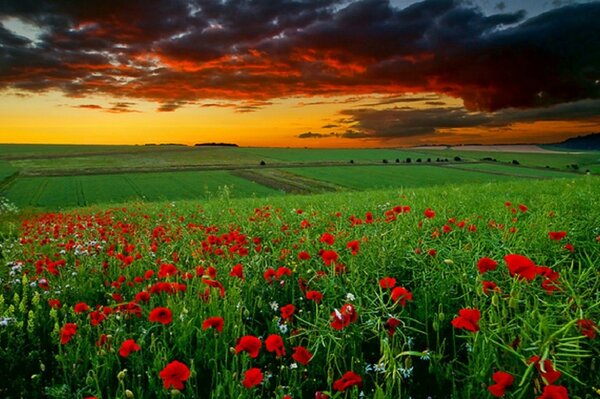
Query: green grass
[[6, 170], [371, 177], [426, 357], [60, 192], [513, 170]]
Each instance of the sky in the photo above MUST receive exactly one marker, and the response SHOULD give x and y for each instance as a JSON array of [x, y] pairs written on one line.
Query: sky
[[324, 73]]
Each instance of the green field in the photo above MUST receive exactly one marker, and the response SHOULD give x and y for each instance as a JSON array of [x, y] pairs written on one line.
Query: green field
[[371, 177], [61, 176], [81, 286], [55, 192], [511, 170]]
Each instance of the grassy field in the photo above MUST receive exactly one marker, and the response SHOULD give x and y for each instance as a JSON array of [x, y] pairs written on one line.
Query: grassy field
[[377, 294], [55, 177], [512, 170], [392, 176], [61, 192]]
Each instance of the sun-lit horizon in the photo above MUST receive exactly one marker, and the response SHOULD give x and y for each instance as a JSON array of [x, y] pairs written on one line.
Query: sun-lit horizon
[[370, 73]]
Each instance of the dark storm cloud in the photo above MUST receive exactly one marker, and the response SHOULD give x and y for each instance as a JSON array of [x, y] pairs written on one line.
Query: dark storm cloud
[[179, 51], [410, 122]]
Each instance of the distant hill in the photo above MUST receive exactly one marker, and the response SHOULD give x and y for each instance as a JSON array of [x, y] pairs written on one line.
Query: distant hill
[[215, 145], [587, 142]]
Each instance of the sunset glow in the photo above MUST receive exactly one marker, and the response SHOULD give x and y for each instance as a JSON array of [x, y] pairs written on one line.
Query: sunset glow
[[368, 73]]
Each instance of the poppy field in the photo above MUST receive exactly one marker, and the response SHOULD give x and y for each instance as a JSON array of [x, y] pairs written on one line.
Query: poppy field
[[463, 291]]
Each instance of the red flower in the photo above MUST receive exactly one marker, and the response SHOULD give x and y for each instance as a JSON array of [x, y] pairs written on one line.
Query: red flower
[[127, 347], [348, 380], [314, 296], [588, 328], [161, 315], [96, 318], [548, 373], [485, 264], [142, 296], [391, 324], [327, 239], [569, 247], [166, 270], [489, 286], [329, 257], [429, 213], [502, 381], [521, 265], [250, 344], [554, 392], [274, 343], [252, 377], [301, 355], [523, 208], [353, 246], [557, 235], [303, 255], [67, 332], [467, 319], [387, 282], [81, 307], [174, 375], [343, 317], [214, 322], [287, 311], [237, 271], [401, 294], [54, 303]]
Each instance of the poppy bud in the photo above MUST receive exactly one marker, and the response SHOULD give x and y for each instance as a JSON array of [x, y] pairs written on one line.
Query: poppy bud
[[449, 262], [129, 394], [513, 302], [89, 380], [121, 375], [246, 313], [495, 300], [436, 325], [175, 392], [441, 316]]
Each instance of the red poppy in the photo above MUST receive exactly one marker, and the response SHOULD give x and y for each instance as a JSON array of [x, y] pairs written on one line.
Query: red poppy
[[569, 247], [142, 296], [391, 324], [467, 319], [314, 296], [387, 282], [557, 235], [401, 294], [252, 377], [54, 303], [429, 213], [588, 328], [250, 344], [96, 318], [174, 375], [343, 317], [161, 315], [523, 208], [287, 311], [301, 355], [274, 344], [548, 373], [353, 246], [166, 270], [446, 229], [327, 238], [303, 255], [521, 265], [81, 307], [329, 257], [554, 392], [348, 380], [67, 332], [127, 347], [485, 264], [502, 381], [237, 271], [489, 286], [215, 322]]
